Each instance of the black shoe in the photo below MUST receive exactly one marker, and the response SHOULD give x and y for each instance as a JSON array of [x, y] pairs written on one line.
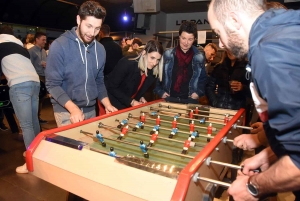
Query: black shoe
[[43, 121], [3, 127]]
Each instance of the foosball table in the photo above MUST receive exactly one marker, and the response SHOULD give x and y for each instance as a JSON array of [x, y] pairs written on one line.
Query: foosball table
[[156, 151]]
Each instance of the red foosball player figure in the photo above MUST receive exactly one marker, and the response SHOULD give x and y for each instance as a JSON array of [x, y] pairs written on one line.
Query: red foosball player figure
[[153, 139], [186, 145], [209, 131], [196, 112], [123, 132], [158, 120], [174, 123], [192, 126], [143, 117], [191, 114], [226, 119]]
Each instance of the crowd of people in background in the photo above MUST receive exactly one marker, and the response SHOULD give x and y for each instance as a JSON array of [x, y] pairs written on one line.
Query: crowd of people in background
[[85, 65]]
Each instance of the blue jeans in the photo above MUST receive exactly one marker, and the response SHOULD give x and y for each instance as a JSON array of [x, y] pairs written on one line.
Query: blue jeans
[[25, 100]]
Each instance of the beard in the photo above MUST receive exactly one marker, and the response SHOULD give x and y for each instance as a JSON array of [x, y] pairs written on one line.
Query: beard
[[81, 34], [236, 45]]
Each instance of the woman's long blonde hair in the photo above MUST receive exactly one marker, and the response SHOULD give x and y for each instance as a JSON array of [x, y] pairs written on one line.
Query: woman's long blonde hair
[[151, 46]]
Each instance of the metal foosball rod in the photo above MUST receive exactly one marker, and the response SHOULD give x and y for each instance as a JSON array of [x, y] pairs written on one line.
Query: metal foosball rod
[[166, 121], [206, 116], [187, 133], [208, 161], [234, 125], [242, 127], [197, 177], [163, 138], [179, 117], [168, 139], [162, 111], [173, 112], [200, 127], [87, 133], [101, 125], [188, 109], [224, 140]]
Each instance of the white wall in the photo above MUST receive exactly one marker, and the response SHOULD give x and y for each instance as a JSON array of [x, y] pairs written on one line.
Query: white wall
[[174, 20]]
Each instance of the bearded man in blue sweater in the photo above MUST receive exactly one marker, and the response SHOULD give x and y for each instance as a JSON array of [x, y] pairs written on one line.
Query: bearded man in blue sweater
[[74, 71]]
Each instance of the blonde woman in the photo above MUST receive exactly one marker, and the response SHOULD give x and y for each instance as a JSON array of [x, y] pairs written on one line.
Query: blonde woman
[[132, 77]]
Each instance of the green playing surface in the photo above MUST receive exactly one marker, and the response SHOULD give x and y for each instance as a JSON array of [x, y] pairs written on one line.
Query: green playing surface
[[156, 156]]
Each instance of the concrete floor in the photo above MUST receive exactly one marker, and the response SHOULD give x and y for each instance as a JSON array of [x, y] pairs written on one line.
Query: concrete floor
[[24, 187]]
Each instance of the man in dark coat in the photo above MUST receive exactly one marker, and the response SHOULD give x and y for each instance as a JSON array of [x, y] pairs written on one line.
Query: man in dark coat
[[113, 50]]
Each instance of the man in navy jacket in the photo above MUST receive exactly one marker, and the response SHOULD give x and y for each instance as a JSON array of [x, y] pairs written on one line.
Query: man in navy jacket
[[271, 40]]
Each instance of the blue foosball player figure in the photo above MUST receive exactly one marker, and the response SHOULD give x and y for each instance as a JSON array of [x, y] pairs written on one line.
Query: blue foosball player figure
[[112, 153], [138, 125], [153, 113], [99, 136], [194, 134], [173, 132], [155, 128], [144, 149], [202, 121], [143, 117], [123, 122], [176, 116]]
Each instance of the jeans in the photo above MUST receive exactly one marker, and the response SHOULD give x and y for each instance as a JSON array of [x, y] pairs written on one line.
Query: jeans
[[25, 100], [63, 118]]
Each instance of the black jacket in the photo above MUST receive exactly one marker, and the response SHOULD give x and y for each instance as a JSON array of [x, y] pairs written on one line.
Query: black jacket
[[123, 82], [220, 77], [113, 54]]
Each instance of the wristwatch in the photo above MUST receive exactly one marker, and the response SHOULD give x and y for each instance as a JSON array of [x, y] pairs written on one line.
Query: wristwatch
[[252, 188]]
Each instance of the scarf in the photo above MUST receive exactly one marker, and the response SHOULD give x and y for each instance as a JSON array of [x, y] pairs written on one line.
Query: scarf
[[183, 62]]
